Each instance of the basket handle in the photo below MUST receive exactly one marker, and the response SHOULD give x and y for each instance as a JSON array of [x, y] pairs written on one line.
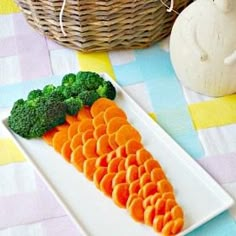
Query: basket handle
[[60, 17], [171, 7]]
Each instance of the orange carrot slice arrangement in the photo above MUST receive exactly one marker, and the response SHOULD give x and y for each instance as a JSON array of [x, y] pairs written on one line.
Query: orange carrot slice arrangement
[[101, 143]]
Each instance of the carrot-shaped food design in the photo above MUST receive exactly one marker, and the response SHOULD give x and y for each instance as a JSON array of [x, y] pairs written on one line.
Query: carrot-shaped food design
[[100, 142]]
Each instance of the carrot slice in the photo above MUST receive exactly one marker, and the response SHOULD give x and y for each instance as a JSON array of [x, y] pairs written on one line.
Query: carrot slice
[[112, 112], [125, 133], [146, 201], [106, 184], [98, 120], [134, 186], [149, 189], [103, 146], [77, 158], [71, 119], [76, 141], [145, 178], [158, 223], [87, 135], [85, 125], [154, 198], [66, 150], [120, 194], [73, 129], [170, 203], [131, 173], [89, 148], [89, 168], [121, 165], [115, 123], [149, 215], [48, 136], [112, 141], [166, 230], [164, 186], [132, 146], [157, 174], [178, 225], [63, 126], [131, 197], [160, 206], [143, 155], [99, 131], [167, 217], [151, 164], [101, 105], [140, 192], [111, 155], [177, 212], [168, 195], [84, 113], [141, 170], [136, 209], [120, 177], [120, 151], [59, 139], [102, 161], [113, 164], [99, 173], [130, 160]]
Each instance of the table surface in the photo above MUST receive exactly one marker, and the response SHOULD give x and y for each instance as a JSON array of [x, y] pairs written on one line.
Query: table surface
[[205, 127]]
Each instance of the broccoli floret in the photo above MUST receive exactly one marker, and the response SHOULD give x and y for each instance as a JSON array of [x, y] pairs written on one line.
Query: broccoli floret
[[48, 90], [34, 94], [53, 111], [21, 119], [73, 105], [107, 90], [68, 80], [57, 95], [88, 80], [17, 105], [88, 97], [65, 91], [32, 118], [76, 89]]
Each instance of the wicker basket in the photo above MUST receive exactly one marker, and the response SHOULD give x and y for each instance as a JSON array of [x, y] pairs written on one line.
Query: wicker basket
[[102, 25]]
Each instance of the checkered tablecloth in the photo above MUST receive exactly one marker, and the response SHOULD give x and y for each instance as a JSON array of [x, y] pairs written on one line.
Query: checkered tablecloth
[[205, 127]]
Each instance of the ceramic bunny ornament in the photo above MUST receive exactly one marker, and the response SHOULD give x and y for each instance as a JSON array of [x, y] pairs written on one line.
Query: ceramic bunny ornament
[[203, 47]]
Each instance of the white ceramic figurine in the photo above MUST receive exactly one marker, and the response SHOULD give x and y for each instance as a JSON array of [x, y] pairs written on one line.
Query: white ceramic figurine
[[203, 47]]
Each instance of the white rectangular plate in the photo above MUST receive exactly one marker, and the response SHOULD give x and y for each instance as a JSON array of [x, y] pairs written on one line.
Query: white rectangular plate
[[95, 214]]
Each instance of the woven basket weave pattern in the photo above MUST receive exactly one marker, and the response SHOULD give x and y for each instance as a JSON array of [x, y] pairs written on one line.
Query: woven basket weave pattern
[[92, 25]]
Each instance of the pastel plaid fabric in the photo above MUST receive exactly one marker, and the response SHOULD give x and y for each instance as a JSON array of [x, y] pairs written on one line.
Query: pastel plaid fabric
[[205, 127]]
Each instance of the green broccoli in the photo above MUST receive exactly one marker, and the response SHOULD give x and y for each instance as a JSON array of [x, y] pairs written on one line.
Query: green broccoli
[[45, 109], [32, 118], [88, 80], [21, 119], [17, 105], [53, 111], [57, 95], [48, 90], [73, 105], [34, 94], [68, 80], [107, 90], [66, 91], [88, 97]]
